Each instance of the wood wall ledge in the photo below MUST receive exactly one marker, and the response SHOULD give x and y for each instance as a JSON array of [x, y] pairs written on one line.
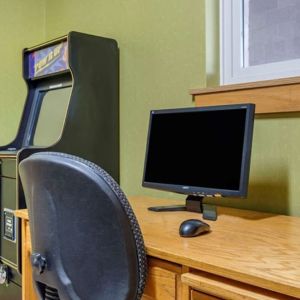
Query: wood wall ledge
[[270, 96], [248, 85]]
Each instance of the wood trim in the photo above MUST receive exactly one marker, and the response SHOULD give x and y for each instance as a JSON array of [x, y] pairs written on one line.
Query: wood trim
[[248, 85], [272, 96], [22, 214], [28, 291]]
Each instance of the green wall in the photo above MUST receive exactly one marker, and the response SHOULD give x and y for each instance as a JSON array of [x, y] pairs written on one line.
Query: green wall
[[163, 53], [275, 166], [161, 57], [275, 163], [21, 25]]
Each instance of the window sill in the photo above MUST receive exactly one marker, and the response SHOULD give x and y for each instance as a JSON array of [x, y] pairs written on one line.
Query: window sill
[[269, 96]]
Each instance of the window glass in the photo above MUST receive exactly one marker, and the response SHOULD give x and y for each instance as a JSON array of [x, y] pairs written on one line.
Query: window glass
[[271, 31], [260, 40]]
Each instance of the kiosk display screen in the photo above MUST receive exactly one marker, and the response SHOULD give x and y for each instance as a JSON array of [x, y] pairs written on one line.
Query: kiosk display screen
[[53, 110]]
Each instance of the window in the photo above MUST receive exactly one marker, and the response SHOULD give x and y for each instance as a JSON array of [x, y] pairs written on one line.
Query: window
[[260, 40]]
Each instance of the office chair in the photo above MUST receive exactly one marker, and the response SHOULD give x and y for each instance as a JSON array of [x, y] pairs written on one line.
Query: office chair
[[86, 241]]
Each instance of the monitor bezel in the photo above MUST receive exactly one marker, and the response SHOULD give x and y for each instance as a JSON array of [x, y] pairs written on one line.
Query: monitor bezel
[[204, 191]]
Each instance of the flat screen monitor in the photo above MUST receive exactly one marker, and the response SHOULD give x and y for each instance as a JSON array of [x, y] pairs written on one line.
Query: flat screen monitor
[[200, 151]]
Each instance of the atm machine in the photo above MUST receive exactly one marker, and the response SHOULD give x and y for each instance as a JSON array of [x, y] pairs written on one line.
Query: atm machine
[[72, 106]]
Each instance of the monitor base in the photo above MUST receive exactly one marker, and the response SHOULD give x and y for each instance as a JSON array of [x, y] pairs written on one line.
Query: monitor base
[[193, 204], [168, 208]]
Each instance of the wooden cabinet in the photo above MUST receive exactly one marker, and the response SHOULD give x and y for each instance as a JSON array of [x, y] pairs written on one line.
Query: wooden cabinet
[[162, 280], [247, 255]]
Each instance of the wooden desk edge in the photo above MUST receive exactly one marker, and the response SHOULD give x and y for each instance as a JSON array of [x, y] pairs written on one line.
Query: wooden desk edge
[[239, 277], [22, 214]]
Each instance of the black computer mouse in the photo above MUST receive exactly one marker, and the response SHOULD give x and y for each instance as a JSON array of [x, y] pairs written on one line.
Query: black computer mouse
[[193, 227]]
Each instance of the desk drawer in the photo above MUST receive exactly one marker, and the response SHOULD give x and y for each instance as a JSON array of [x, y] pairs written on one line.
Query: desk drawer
[[161, 281], [206, 286], [195, 295]]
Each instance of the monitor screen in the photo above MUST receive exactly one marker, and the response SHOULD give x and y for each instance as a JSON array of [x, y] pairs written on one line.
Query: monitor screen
[[200, 151], [52, 114], [47, 116]]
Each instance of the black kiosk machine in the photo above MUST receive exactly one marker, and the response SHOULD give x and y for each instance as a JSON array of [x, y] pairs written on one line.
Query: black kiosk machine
[[72, 106]]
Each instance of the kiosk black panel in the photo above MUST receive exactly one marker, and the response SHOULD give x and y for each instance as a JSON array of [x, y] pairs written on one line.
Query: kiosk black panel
[[72, 106]]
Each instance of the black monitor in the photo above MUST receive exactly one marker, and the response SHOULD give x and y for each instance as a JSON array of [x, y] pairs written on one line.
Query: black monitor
[[201, 152]]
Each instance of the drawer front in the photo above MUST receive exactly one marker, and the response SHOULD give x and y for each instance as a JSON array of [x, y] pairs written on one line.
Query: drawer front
[[195, 295], [162, 281], [161, 284], [205, 286]]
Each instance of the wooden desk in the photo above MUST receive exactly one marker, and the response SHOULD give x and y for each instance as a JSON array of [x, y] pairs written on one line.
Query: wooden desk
[[247, 255]]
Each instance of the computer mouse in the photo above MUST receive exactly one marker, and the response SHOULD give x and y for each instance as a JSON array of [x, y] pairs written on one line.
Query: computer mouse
[[193, 227]]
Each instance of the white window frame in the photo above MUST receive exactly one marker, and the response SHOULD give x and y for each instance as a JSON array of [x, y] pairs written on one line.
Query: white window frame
[[231, 55]]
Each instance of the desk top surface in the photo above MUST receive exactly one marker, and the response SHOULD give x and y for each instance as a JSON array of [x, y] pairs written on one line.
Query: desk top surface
[[260, 249], [256, 248]]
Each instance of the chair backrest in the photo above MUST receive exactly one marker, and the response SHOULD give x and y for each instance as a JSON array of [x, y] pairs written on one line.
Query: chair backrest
[[86, 241]]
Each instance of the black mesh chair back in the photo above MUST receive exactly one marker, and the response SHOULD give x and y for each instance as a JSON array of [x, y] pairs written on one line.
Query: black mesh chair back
[[86, 241]]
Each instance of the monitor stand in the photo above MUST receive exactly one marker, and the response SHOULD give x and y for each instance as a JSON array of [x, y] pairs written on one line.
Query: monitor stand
[[192, 203]]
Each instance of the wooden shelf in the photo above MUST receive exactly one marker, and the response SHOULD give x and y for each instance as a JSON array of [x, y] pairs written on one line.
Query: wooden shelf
[[270, 96]]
